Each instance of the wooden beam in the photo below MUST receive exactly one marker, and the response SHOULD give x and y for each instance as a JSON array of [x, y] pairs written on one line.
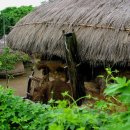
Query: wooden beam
[[73, 63], [78, 25]]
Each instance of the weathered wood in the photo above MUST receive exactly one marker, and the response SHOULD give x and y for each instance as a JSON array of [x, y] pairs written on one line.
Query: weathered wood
[[73, 63], [78, 25], [29, 85]]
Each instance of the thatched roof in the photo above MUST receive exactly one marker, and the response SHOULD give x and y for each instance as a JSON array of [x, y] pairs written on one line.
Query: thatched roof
[[102, 28]]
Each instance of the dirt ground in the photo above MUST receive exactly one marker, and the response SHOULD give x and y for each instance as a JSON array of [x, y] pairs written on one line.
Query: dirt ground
[[19, 83]]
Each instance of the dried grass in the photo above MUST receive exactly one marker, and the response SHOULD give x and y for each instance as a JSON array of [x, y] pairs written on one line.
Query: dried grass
[[102, 28]]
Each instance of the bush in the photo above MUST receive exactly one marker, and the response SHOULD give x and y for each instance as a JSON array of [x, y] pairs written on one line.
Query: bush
[[18, 114]]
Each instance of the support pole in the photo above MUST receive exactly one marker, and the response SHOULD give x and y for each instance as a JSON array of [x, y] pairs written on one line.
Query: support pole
[[73, 64]]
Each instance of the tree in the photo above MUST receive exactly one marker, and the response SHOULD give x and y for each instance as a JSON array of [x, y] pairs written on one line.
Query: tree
[[8, 60], [11, 16]]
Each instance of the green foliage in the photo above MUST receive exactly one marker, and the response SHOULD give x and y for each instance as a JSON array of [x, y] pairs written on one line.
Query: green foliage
[[11, 16], [17, 114], [109, 76], [120, 87], [8, 59], [25, 57]]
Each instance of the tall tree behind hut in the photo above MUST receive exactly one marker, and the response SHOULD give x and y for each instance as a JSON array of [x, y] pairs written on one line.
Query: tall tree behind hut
[[12, 15]]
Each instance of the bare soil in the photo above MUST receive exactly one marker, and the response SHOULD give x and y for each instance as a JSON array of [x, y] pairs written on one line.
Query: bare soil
[[19, 83]]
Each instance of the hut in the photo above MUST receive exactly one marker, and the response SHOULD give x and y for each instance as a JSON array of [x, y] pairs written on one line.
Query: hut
[[102, 29]]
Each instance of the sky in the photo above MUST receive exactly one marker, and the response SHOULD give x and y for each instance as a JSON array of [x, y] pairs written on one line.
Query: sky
[[17, 3]]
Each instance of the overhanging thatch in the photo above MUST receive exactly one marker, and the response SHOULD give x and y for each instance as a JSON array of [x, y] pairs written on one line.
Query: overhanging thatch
[[102, 28]]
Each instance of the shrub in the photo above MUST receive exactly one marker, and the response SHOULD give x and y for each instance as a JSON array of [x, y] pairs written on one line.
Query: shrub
[[18, 114]]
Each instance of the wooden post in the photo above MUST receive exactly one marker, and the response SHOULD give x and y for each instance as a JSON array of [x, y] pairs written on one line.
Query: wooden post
[[29, 85], [73, 64]]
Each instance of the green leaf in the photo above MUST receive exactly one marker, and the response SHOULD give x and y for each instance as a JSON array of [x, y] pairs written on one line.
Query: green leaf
[[125, 95], [121, 81], [81, 128], [100, 76], [115, 88], [0, 63], [56, 127], [112, 89]]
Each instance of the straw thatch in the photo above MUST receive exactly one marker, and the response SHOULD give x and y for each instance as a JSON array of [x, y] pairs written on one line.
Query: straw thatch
[[102, 28]]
